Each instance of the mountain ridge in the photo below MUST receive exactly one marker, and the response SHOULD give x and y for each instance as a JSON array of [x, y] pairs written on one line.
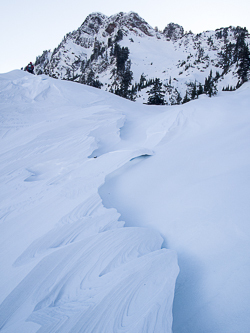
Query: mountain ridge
[[123, 54]]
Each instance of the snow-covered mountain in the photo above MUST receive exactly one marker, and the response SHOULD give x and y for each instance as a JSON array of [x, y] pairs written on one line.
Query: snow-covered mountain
[[124, 54], [73, 158]]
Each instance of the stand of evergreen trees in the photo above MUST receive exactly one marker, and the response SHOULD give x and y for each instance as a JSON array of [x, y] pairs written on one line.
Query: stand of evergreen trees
[[237, 53], [209, 88], [123, 74], [231, 88]]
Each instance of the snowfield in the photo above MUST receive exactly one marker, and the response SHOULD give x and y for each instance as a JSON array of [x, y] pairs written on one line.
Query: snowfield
[[93, 186], [67, 262]]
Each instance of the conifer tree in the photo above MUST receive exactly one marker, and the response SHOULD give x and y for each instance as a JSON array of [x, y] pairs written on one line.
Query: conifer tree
[[200, 89], [175, 98], [244, 64], [227, 56], [91, 81], [242, 56], [121, 55], [126, 81], [143, 82], [156, 94], [186, 98], [209, 86], [194, 92]]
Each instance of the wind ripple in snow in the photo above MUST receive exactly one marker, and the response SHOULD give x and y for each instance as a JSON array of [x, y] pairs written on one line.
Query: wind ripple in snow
[[68, 263], [116, 280]]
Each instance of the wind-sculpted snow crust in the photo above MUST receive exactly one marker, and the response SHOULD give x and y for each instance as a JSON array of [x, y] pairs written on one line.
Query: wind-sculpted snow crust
[[67, 262]]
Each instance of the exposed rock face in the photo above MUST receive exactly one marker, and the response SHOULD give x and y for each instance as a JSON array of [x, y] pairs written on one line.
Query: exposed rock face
[[134, 23], [92, 23], [173, 31], [95, 53]]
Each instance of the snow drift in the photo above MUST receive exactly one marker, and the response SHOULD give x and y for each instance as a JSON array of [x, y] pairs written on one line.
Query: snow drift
[[67, 262], [195, 191], [75, 163]]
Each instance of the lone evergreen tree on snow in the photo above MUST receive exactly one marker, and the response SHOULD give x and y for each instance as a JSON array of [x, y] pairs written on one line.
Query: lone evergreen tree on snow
[[156, 94]]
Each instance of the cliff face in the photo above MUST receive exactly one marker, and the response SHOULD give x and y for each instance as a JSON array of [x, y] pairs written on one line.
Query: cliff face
[[182, 61]]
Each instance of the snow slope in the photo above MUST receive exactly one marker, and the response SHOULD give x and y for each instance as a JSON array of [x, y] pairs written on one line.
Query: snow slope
[[73, 158], [195, 191], [67, 263]]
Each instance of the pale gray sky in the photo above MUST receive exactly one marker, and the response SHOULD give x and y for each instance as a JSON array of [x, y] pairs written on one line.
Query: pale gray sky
[[28, 27]]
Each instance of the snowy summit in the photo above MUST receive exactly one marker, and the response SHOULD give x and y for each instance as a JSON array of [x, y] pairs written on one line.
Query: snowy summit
[[124, 55]]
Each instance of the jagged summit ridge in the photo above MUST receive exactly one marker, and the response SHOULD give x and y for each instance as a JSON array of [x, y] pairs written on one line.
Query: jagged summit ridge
[[133, 22], [124, 55], [126, 21], [92, 23]]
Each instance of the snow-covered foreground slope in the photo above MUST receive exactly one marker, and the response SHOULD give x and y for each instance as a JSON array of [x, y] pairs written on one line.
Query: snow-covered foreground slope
[[196, 191], [73, 158], [67, 263]]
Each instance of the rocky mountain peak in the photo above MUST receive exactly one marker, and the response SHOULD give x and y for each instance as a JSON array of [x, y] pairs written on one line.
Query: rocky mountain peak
[[133, 22], [112, 53], [93, 23], [173, 31], [127, 22]]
